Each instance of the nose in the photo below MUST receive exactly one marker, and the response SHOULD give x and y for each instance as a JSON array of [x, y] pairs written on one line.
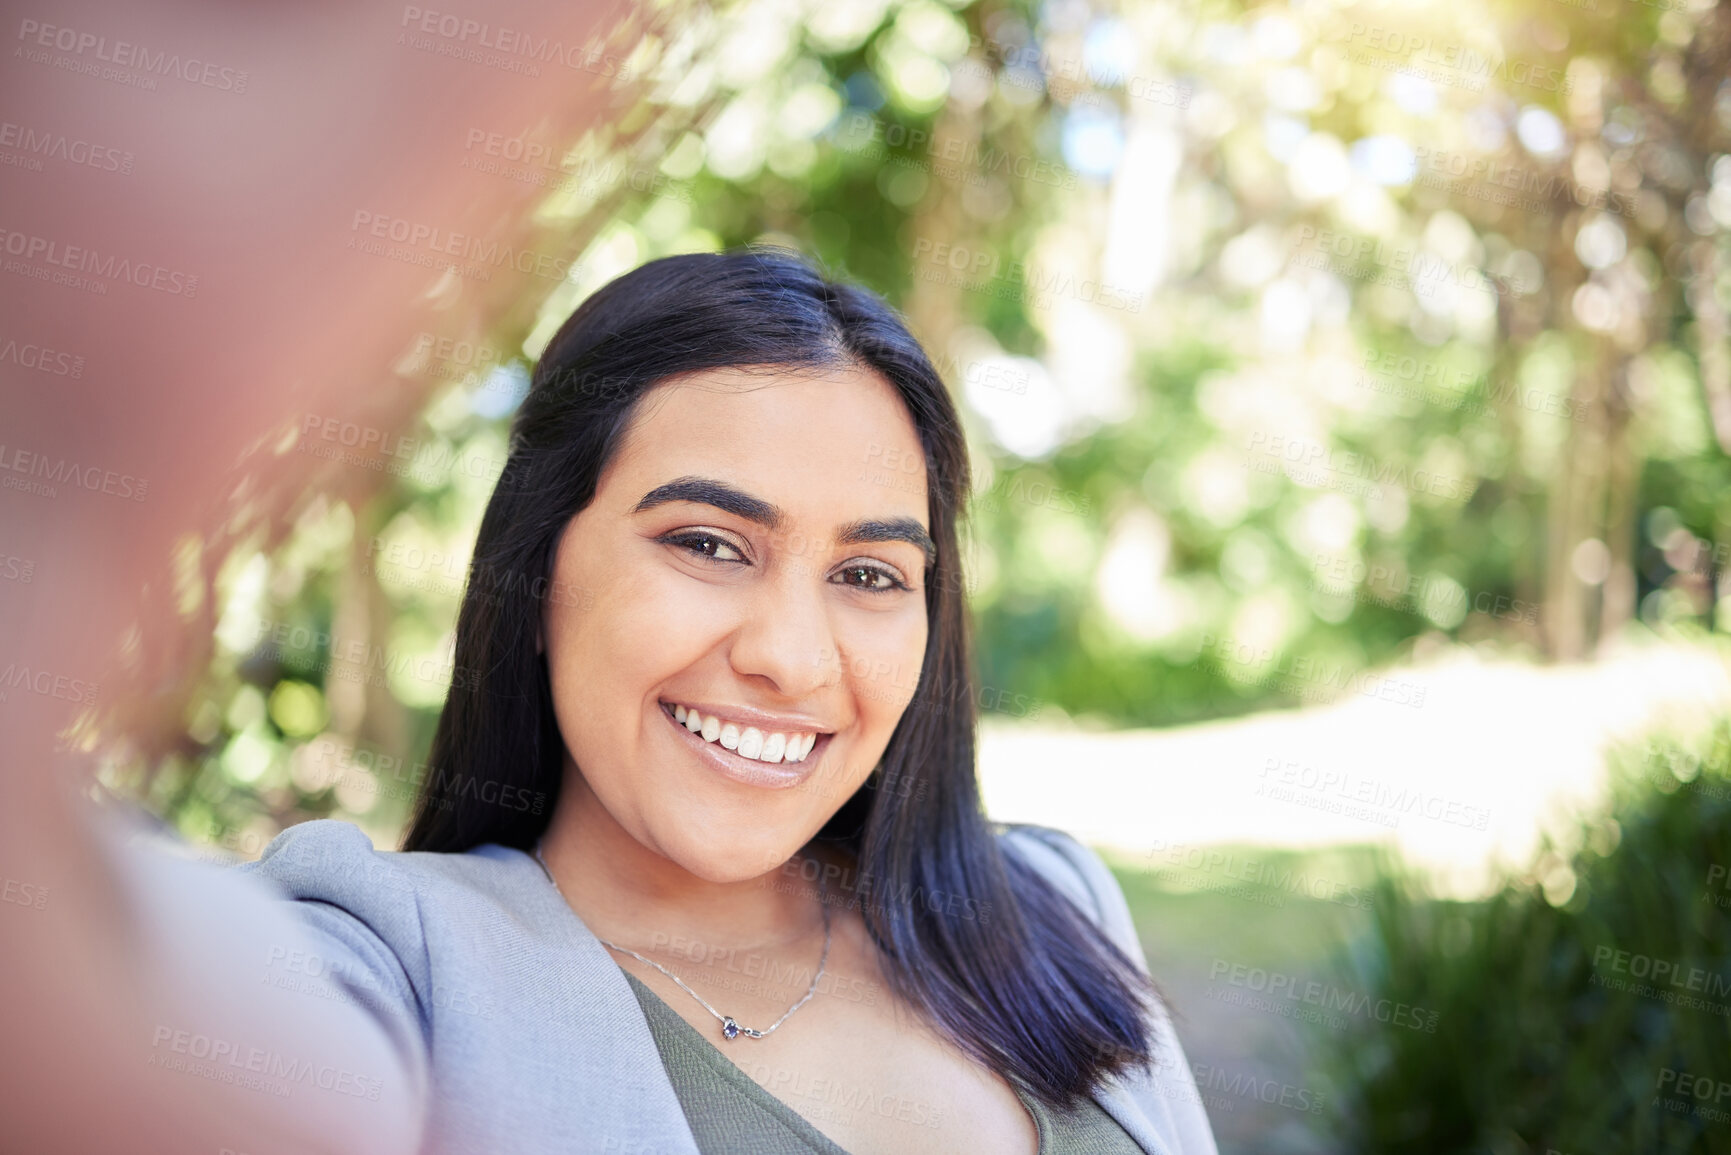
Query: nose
[[786, 637]]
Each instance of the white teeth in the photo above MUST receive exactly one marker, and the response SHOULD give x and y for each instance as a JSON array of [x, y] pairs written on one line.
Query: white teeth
[[749, 741]]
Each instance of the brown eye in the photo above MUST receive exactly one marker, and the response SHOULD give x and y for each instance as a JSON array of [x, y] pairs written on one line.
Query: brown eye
[[872, 579], [706, 545]]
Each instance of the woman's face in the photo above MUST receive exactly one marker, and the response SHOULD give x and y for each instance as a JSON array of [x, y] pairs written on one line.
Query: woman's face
[[756, 552]]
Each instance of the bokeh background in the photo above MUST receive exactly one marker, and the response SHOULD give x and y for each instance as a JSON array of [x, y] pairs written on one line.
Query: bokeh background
[[1349, 390]]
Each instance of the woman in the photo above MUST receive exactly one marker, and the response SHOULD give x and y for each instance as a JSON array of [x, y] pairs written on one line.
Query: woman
[[701, 864]]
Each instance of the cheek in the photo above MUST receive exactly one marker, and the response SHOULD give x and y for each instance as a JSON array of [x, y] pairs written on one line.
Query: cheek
[[638, 615], [607, 657], [882, 661]]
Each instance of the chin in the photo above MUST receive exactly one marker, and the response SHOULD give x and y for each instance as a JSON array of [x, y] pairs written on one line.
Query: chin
[[717, 854]]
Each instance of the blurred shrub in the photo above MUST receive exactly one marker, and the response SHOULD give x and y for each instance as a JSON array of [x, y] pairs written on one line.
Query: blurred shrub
[[1584, 1009]]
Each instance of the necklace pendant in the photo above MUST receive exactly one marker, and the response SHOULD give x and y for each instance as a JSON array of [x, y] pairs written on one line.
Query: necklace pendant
[[729, 1027]]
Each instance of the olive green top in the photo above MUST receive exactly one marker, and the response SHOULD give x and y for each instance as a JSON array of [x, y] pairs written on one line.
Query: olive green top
[[730, 1114]]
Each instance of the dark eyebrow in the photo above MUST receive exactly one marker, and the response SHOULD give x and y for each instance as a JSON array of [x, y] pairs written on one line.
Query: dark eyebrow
[[708, 491], [895, 529]]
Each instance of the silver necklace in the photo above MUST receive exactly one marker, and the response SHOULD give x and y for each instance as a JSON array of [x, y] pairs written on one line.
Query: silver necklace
[[730, 1029]]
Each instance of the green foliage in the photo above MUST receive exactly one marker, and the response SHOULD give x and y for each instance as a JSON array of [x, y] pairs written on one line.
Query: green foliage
[[988, 166], [1584, 1009]]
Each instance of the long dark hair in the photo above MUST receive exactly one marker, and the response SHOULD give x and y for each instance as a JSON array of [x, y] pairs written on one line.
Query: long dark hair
[[1024, 982]]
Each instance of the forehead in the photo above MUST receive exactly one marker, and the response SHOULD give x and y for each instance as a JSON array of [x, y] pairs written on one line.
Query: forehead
[[814, 441]]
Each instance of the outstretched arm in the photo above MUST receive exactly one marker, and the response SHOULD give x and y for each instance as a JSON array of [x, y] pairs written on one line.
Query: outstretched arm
[[151, 1015], [287, 127]]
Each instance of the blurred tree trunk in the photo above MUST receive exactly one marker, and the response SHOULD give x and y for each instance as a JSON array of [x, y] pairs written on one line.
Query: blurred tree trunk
[[1710, 349], [1573, 501], [1518, 322], [1622, 482]]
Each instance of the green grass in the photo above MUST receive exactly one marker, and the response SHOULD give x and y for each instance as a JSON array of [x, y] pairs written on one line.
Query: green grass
[[1512, 1026]]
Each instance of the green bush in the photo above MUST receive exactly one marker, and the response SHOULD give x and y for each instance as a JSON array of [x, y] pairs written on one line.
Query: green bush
[[1584, 1009]]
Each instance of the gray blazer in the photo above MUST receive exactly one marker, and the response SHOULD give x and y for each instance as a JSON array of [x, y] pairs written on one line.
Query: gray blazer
[[509, 1026]]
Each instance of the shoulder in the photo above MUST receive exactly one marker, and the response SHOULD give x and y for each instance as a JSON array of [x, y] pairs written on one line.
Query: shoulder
[[329, 859], [389, 898], [1082, 875], [323, 848], [334, 862], [1165, 1091]]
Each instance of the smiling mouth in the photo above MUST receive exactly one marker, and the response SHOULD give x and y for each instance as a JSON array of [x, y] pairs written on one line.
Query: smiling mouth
[[755, 744]]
